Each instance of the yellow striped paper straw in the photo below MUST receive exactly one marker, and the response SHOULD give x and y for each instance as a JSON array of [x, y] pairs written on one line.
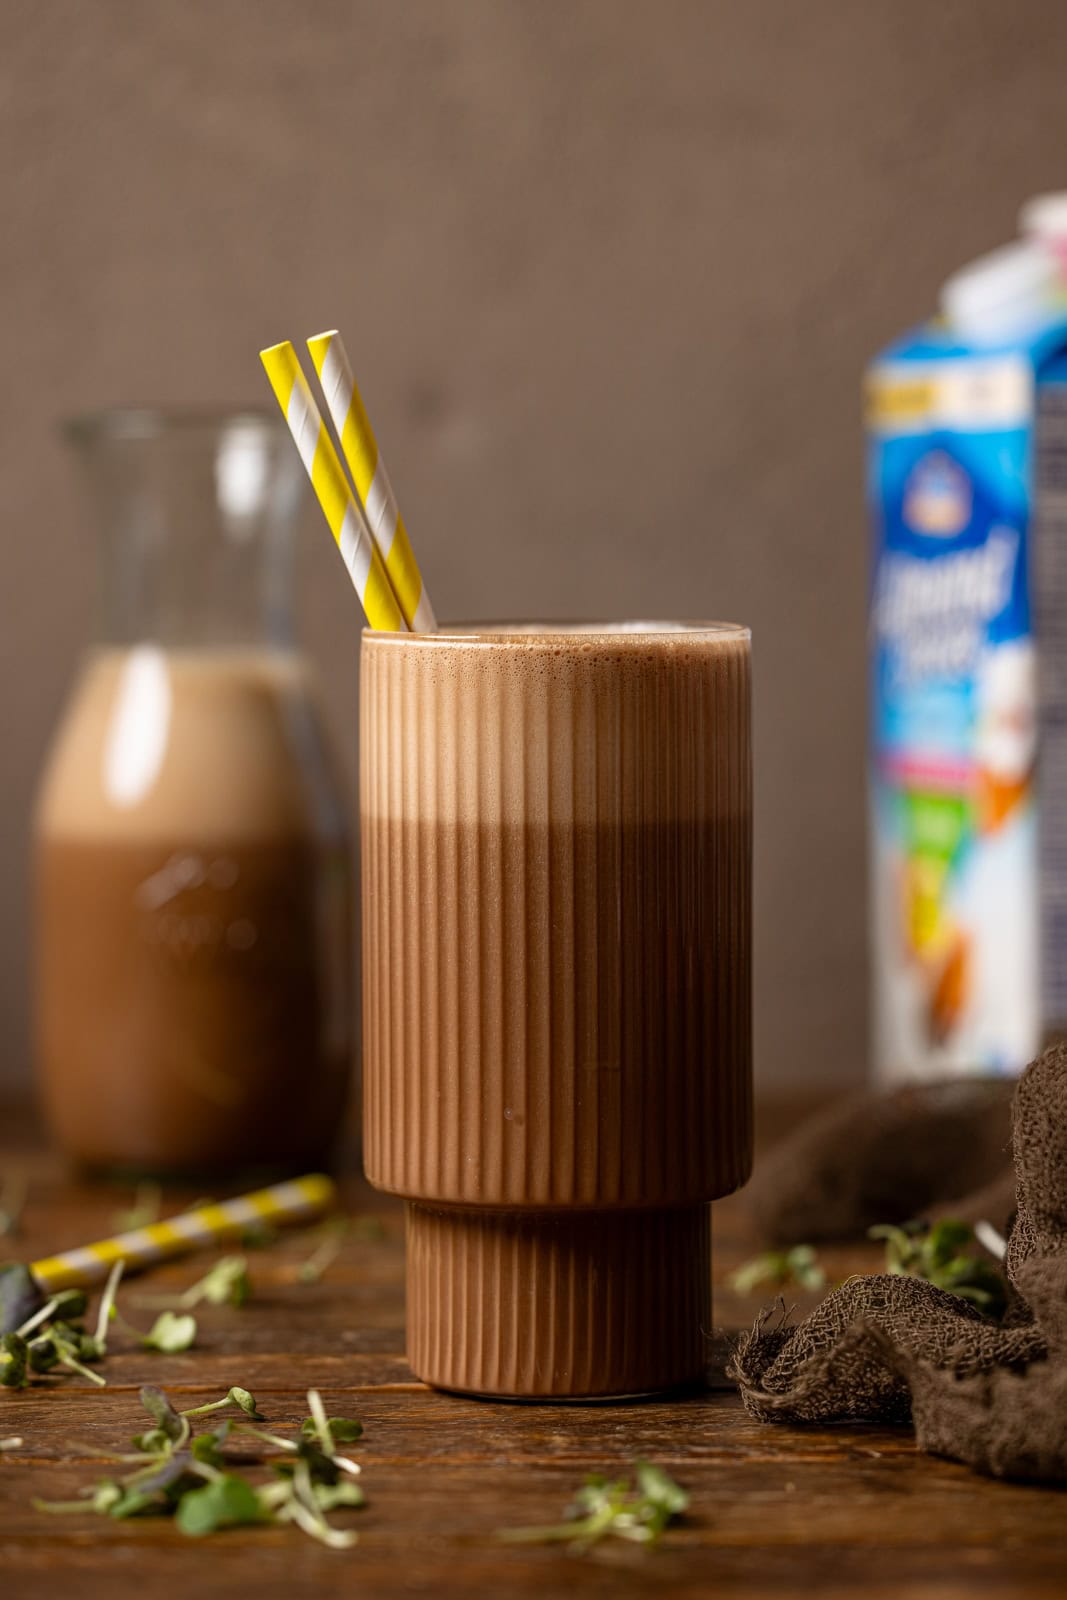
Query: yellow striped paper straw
[[343, 513], [300, 1200], [360, 449]]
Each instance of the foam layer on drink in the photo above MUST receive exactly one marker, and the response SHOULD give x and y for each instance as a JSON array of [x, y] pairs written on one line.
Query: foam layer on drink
[[582, 725]]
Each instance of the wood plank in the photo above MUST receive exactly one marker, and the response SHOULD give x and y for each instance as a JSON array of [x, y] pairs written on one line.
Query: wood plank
[[844, 1511]]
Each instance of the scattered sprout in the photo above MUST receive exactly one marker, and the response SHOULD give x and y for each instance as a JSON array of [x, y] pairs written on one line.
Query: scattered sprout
[[12, 1203], [942, 1255], [147, 1208], [14, 1360], [326, 1252], [20, 1297], [241, 1398], [227, 1283], [172, 1332], [606, 1507], [228, 1501], [776, 1268], [176, 1472]]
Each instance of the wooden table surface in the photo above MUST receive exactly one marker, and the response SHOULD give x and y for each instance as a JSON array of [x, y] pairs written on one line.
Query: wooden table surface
[[775, 1511]]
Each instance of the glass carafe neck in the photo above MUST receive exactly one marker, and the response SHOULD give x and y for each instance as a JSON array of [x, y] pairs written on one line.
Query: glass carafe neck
[[197, 514]]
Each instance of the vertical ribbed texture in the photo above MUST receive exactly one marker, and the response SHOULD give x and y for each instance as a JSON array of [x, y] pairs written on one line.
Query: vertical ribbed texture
[[557, 1014], [563, 1305], [556, 901]]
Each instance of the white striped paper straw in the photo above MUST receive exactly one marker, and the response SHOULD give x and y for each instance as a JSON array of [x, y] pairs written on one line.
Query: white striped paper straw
[[300, 1200], [342, 511], [360, 450]]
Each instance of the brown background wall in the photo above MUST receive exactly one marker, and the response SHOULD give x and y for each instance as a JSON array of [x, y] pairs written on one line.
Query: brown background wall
[[610, 270]]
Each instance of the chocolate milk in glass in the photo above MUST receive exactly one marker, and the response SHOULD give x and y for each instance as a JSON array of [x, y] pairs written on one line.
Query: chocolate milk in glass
[[191, 861], [556, 829]]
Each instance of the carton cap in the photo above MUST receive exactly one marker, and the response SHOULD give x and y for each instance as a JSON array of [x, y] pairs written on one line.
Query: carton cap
[[1044, 216], [1001, 295]]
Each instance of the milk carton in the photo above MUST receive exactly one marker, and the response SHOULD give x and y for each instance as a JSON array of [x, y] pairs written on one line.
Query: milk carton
[[967, 423]]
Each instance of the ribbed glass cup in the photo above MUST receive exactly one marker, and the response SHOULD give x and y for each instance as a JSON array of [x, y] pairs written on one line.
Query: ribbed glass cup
[[556, 827]]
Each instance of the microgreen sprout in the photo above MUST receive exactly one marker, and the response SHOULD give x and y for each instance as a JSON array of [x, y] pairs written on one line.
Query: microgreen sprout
[[259, 1235], [227, 1283], [73, 1347], [59, 1340], [20, 1296], [326, 1252], [14, 1361], [942, 1255], [171, 1332], [776, 1268], [603, 1507], [107, 1309], [12, 1203], [71, 1302], [146, 1208], [51, 1337], [241, 1398], [176, 1471]]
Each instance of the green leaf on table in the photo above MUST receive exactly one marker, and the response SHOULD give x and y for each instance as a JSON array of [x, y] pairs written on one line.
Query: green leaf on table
[[259, 1236], [43, 1354], [166, 1477], [227, 1283], [345, 1430], [207, 1447], [329, 1496], [777, 1268], [603, 1507], [163, 1414], [14, 1360], [660, 1489], [146, 1209], [226, 1502], [20, 1297], [187, 1475], [151, 1442], [236, 1396], [943, 1255], [333, 1235], [246, 1401], [69, 1304], [107, 1494], [172, 1332], [131, 1503]]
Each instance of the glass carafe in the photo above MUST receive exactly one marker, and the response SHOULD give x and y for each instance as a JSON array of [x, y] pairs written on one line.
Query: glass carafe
[[192, 861]]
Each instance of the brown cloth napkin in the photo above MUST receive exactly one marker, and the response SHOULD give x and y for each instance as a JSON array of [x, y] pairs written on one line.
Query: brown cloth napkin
[[883, 1156], [885, 1348]]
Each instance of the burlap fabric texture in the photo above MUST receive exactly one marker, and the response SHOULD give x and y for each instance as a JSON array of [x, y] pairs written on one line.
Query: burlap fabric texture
[[885, 1348]]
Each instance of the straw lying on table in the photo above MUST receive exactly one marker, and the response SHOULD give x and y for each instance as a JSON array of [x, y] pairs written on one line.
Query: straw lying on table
[[297, 1201], [366, 523]]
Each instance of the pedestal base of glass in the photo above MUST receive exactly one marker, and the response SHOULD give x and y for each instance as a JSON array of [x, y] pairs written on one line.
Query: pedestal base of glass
[[575, 1305]]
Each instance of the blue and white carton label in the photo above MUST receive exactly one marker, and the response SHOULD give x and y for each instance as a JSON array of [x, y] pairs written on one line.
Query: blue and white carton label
[[968, 938]]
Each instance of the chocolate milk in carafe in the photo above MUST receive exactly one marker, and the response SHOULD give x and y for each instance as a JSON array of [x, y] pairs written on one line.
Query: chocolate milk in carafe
[[192, 896]]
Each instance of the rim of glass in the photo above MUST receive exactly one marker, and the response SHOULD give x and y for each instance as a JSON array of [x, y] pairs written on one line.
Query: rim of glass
[[520, 632], [152, 422]]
